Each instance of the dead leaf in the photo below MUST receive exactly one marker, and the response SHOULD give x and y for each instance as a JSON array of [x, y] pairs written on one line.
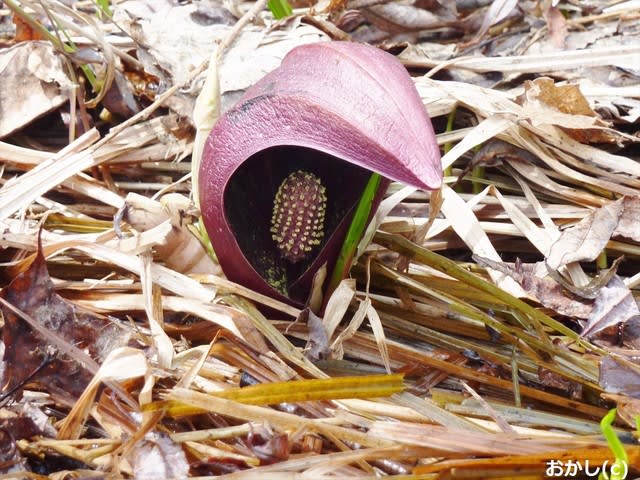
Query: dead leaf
[[619, 379], [589, 290], [631, 334], [493, 153], [24, 31], [123, 363], [585, 240], [157, 456], [498, 11], [551, 379], [563, 98], [49, 354], [34, 83], [614, 304], [398, 18], [14, 428], [170, 50], [120, 99], [318, 344], [544, 102], [270, 447], [557, 25], [548, 292], [180, 250], [628, 224], [628, 408]]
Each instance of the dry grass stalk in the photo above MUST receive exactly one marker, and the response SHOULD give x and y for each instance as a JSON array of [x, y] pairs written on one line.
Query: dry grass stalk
[[431, 321]]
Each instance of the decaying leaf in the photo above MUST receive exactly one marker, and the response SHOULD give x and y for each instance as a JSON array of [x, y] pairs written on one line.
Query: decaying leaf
[[123, 363], [557, 25], [180, 250], [628, 225], [270, 447], [34, 82], [318, 344], [497, 12], [614, 304], [534, 280], [170, 50], [15, 427], [585, 240], [397, 17], [49, 348], [628, 407], [493, 153], [617, 378], [157, 456], [544, 102]]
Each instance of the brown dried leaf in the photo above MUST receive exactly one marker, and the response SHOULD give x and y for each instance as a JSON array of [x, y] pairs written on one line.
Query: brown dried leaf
[[34, 83], [270, 447], [541, 287], [65, 333], [493, 153], [628, 408], [12, 429], [24, 31], [565, 106], [614, 304], [585, 240], [563, 98], [631, 334], [552, 379], [552, 295]]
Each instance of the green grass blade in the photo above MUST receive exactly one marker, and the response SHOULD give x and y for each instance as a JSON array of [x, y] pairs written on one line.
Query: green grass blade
[[355, 232]]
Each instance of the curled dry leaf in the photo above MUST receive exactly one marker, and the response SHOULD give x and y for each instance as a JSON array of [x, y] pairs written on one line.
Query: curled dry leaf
[[180, 250], [614, 304], [565, 106], [270, 447], [157, 456], [17, 427], [400, 18], [585, 240], [498, 11], [330, 111], [493, 153], [317, 346]]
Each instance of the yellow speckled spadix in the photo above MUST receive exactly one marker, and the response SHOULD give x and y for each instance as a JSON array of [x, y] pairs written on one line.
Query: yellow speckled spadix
[[297, 223]]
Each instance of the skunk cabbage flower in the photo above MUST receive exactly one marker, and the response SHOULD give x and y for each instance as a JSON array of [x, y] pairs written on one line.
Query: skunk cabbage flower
[[283, 170]]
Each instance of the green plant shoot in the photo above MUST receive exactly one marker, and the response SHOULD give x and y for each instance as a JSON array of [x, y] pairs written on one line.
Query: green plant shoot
[[354, 234], [622, 460], [280, 8], [103, 5]]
